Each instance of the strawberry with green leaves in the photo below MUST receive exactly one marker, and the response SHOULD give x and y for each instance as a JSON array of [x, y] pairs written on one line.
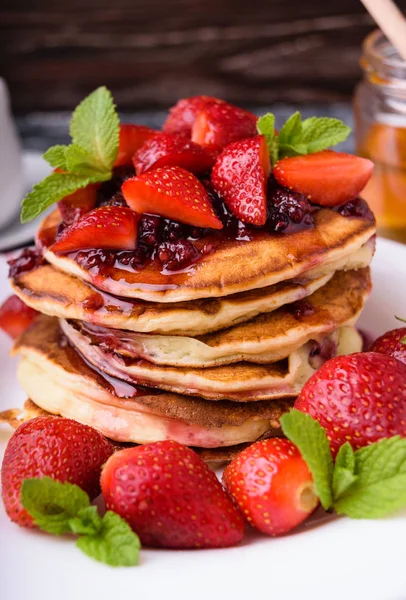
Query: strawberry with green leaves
[[50, 471]]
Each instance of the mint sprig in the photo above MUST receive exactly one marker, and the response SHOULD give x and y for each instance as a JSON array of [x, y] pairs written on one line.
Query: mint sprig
[[88, 159], [364, 484], [61, 508], [298, 137]]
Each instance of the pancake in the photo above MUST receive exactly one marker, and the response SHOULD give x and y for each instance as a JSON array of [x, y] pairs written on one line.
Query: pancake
[[60, 382], [57, 294], [233, 266], [265, 339], [240, 382], [214, 457]]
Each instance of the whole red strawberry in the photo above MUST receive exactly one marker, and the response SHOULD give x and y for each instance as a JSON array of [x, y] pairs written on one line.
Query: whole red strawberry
[[240, 177], [170, 497], [392, 343], [359, 398], [272, 486], [56, 447]]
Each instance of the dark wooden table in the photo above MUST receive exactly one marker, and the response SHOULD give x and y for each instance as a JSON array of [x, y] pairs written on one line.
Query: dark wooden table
[[151, 53]]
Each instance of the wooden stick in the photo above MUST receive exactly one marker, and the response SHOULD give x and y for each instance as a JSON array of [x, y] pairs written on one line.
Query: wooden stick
[[390, 20]]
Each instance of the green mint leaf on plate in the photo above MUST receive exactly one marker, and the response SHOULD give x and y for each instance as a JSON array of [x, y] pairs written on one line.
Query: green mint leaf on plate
[[115, 543], [345, 457], [87, 521], [309, 436], [56, 157], [342, 480], [380, 488], [52, 504], [266, 127], [52, 189], [95, 128]]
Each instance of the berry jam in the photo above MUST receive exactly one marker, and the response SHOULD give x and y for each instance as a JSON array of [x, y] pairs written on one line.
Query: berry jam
[[301, 308], [26, 261], [288, 210], [356, 208]]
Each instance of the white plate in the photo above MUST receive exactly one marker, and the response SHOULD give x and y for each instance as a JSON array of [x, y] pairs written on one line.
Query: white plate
[[340, 559], [15, 234]]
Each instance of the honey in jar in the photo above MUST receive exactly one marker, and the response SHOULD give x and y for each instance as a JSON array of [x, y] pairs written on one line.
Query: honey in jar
[[380, 130]]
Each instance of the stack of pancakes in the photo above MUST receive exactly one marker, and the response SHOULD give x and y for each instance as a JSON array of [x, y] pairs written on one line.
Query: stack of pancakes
[[213, 357]]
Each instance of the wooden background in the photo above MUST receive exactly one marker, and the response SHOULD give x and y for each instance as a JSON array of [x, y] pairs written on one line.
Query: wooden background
[[151, 52]]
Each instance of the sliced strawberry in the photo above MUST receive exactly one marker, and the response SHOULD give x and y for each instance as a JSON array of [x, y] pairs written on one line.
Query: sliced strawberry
[[329, 178], [15, 316], [183, 114], [108, 227], [132, 137], [168, 150], [222, 124], [173, 193], [75, 205], [240, 177]]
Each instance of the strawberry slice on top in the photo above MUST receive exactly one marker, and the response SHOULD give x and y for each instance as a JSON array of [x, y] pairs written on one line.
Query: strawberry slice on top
[[240, 177], [107, 227], [75, 205], [174, 193], [328, 178], [132, 137], [183, 114], [222, 123], [168, 150]]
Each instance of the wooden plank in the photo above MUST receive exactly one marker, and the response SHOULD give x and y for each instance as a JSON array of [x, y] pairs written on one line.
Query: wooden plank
[[151, 53]]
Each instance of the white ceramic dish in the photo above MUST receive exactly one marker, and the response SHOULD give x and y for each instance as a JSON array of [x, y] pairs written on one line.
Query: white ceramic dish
[[14, 234], [355, 560]]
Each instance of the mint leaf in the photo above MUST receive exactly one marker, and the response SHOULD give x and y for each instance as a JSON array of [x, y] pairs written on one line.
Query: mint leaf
[[290, 136], [80, 162], [52, 189], [95, 128], [87, 521], [266, 127], [56, 157], [380, 488], [342, 480], [320, 133], [115, 544], [309, 436], [345, 457], [52, 504]]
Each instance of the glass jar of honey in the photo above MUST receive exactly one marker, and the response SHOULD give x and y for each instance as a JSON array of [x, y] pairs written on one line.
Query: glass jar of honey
[[380, 132]]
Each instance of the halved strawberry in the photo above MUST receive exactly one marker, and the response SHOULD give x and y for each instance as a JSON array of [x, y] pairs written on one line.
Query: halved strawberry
[[240, 177], [15, 316], [109, 227], [168, 150], [174, 193], [183, 114], [75, 205], [132, 137], [222, 124], [329, 178]]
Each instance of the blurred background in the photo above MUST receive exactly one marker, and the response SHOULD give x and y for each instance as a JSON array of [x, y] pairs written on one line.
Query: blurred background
[[150, 53]]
